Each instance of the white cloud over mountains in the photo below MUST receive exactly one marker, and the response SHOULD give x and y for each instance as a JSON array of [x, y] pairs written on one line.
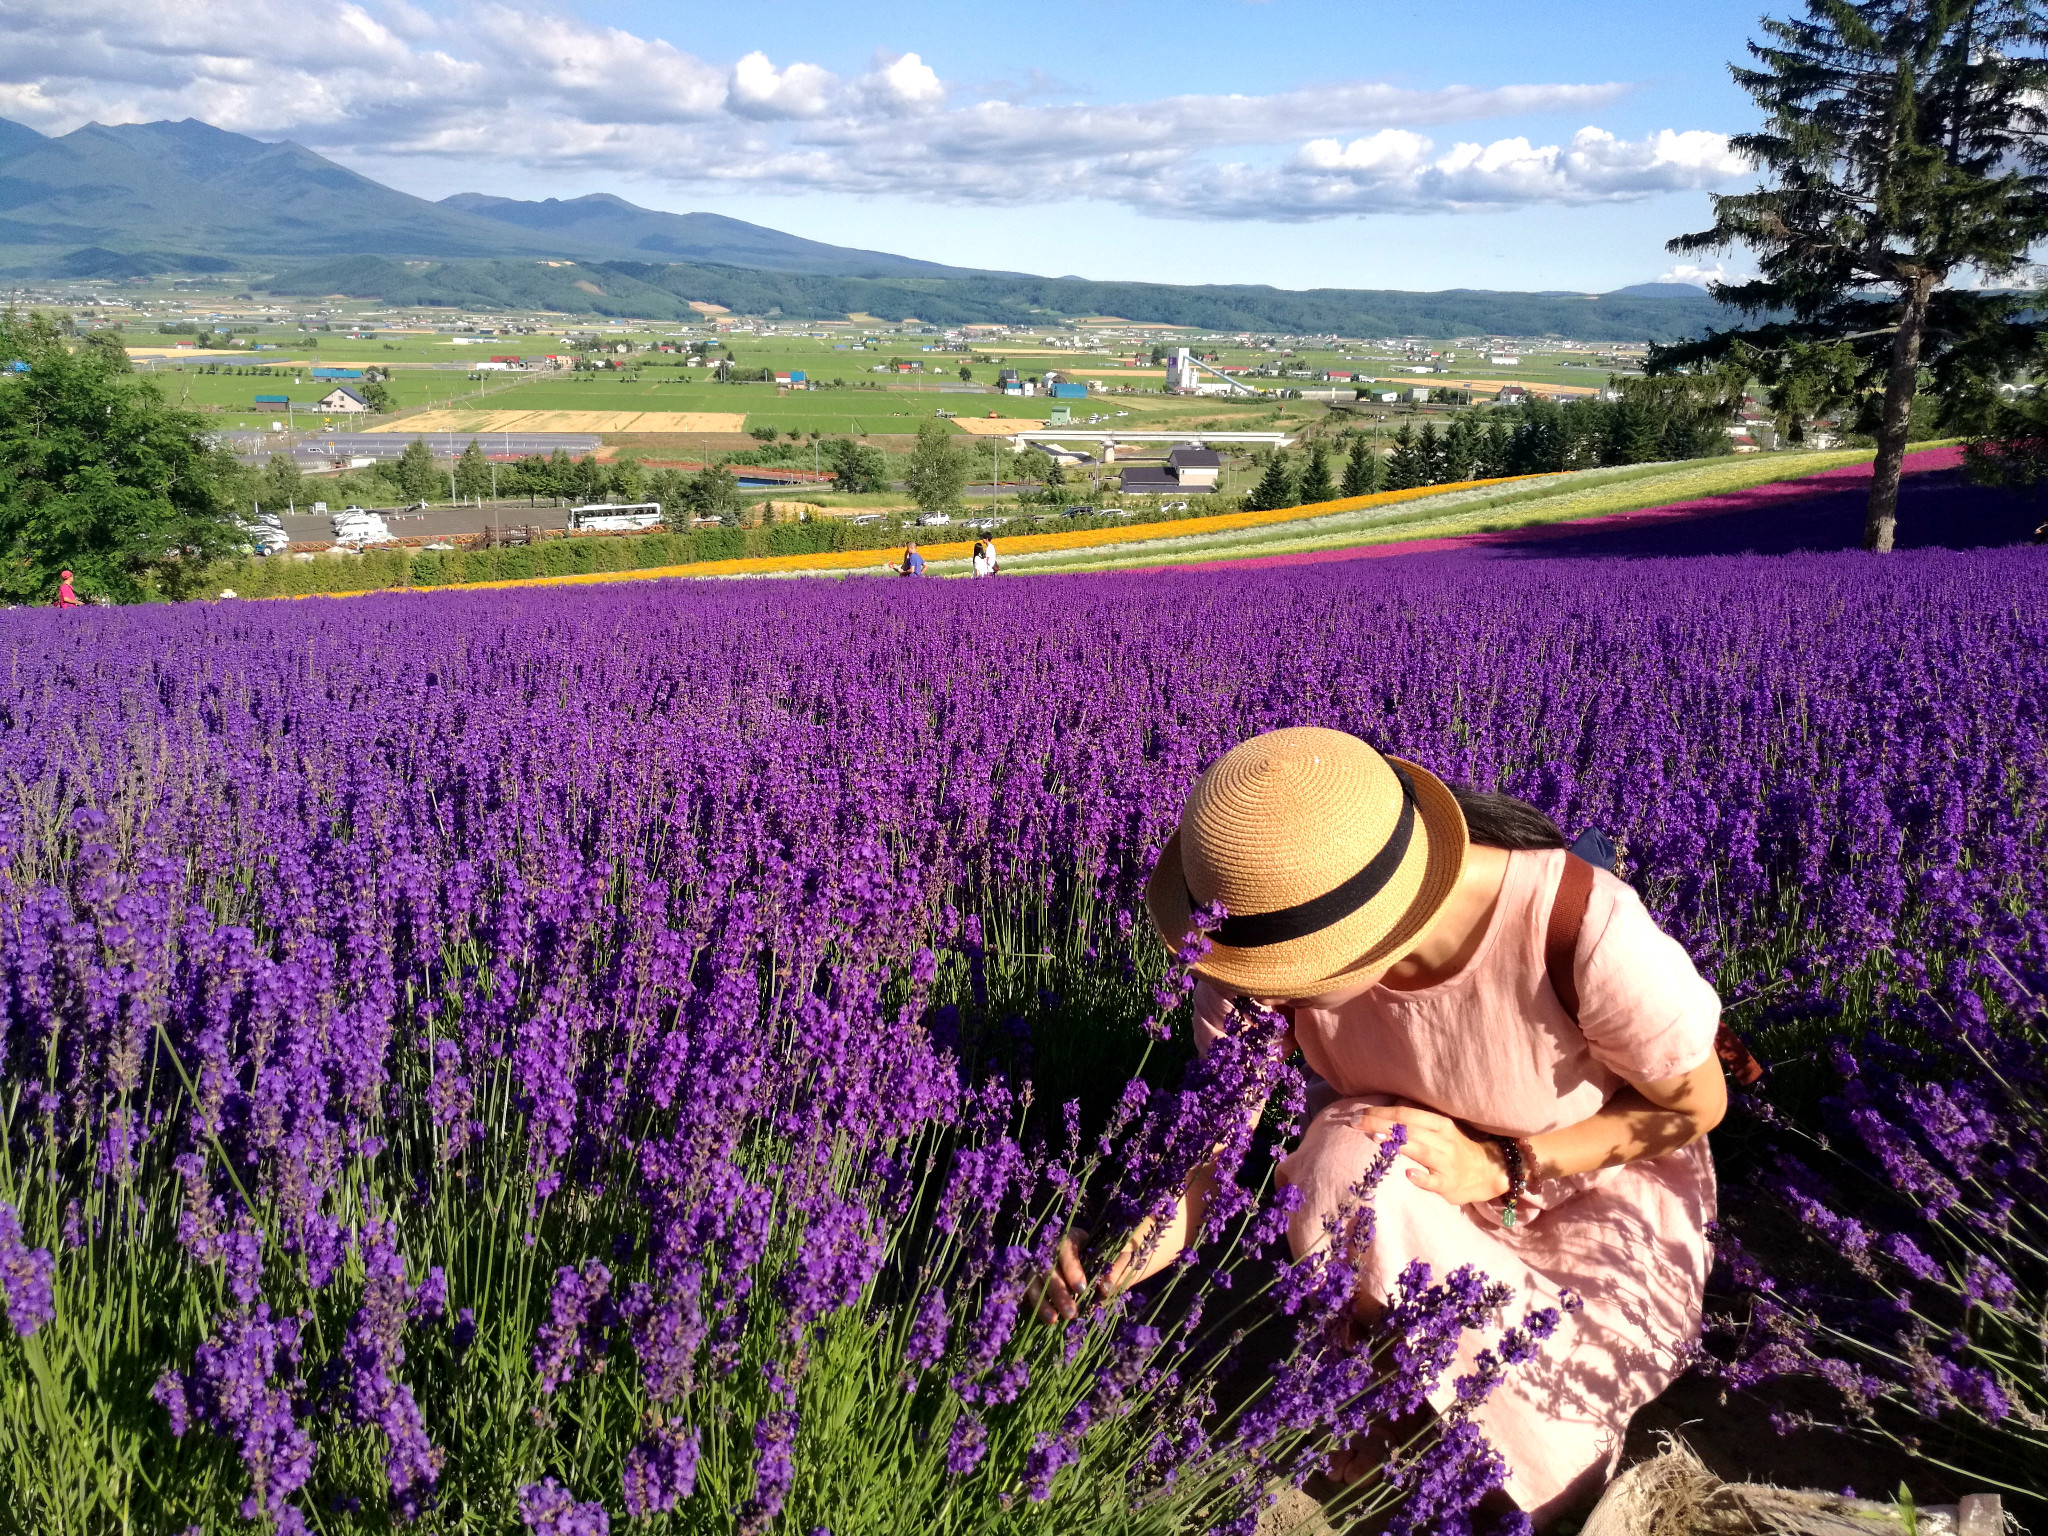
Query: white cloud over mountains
[[489, 82]]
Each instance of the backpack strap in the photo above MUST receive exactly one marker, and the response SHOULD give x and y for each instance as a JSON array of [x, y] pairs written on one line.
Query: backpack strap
[[1561, 937], [1560, 951]]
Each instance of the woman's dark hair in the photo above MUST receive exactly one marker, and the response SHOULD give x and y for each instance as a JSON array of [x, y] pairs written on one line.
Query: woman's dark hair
[[1502, 821]]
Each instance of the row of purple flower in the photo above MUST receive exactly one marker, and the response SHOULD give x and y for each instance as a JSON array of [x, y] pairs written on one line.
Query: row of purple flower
[[525, 1055]]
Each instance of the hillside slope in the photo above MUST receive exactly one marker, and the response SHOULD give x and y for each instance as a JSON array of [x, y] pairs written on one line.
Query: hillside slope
[[600, 219], [144, 198], [187, 187], [664, 290]]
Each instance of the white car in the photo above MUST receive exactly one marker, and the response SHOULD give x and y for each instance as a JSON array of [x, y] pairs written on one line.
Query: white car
[[357, 527], [266, 534]]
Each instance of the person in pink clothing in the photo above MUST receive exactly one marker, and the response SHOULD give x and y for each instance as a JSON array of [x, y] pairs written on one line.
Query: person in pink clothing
[[1555, 1143], [66, 598]]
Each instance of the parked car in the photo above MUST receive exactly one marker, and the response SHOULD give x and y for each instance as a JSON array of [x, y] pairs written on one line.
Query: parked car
[[934, 520], [865, 520], [1079, 512]]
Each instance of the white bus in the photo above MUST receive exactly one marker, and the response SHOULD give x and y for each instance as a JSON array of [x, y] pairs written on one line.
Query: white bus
[[607, 517]]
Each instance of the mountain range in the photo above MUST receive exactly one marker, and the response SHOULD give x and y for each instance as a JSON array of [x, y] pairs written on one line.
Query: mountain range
[[142, 199]]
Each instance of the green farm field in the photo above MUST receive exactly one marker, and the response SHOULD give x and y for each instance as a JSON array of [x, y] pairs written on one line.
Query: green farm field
[[431, 370], [234, 394], [892, 410]]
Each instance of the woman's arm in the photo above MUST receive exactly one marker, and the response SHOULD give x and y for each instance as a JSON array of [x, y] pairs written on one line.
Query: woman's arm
[[1643, 1120], [1058, 1294]]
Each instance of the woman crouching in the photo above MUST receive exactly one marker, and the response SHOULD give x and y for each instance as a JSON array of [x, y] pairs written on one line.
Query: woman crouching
[[1554, 1142]]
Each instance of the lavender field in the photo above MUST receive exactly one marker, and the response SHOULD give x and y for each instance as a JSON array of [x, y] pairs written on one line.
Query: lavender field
[[612, 1058]]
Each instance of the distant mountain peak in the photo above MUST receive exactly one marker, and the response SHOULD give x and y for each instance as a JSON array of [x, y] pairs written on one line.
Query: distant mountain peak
[[17, 138], [1664, 291]]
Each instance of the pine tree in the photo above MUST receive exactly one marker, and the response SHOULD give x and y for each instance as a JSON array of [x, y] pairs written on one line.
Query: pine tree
[[1429, 454], [1275, 488], [1905, 141], [1315, 477], [1404, 467], [1494, 460], [1458, 440], [1540, 445], [1361, 470]]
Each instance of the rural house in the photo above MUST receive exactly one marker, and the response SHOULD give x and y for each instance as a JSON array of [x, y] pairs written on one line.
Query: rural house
[[1195, 469], [1186, 469], [341, 398]]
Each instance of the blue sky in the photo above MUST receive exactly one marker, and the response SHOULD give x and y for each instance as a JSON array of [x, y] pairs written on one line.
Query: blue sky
[[1470, 143]]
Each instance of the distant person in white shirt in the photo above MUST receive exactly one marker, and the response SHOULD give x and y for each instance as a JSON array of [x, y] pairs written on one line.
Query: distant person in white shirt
[[989, 548], [984, 562]]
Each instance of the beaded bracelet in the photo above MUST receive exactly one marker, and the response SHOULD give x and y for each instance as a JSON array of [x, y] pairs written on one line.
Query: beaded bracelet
[[1520, 1158]]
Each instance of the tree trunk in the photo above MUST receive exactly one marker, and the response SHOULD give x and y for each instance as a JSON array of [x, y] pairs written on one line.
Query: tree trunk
[[1902, 379]]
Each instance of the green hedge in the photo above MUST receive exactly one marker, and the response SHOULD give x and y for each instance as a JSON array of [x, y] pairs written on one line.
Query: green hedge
[[374, 570]]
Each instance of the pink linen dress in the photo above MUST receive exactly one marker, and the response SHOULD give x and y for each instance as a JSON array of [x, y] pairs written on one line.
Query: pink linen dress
[[1492, 1046]]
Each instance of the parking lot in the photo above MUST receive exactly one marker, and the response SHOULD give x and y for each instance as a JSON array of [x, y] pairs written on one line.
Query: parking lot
[[435, 523]]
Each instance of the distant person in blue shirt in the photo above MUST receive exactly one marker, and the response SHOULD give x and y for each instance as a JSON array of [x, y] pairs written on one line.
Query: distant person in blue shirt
[[913, 562]]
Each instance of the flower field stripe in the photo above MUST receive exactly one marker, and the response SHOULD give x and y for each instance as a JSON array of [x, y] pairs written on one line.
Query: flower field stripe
[[1629, 508], [1168, 533], [961, 549]]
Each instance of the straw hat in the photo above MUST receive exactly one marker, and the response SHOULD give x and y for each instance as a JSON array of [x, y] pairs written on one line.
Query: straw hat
[[1329, 858]]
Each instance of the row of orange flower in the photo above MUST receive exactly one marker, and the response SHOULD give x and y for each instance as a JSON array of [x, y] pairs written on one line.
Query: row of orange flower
[[961, 549]]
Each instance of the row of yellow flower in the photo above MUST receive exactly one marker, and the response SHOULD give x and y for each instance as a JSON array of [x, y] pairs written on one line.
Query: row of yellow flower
[[961, 549]]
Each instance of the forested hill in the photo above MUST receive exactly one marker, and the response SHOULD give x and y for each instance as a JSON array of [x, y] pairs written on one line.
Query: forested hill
[[665, 291]]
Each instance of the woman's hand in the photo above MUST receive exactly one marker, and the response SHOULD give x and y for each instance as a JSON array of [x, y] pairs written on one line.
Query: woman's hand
[[1452, 1164], [1057, 1294]]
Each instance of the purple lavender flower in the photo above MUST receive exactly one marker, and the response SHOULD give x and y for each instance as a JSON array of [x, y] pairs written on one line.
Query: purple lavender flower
[[926, 1345], [774, 1468], [26, 1276], [374, 1350], [567, 1336], [966, 1444], [548, 1509], [234, 1389], [661, 1471]]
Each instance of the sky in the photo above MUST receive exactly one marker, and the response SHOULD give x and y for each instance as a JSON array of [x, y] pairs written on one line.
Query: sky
[[1302, 143]]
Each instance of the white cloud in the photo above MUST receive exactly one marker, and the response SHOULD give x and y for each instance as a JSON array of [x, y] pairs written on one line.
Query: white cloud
[[1687, 272], [902, 83], [759, 89], [487, 82], [1398, 171]]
